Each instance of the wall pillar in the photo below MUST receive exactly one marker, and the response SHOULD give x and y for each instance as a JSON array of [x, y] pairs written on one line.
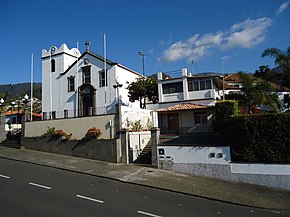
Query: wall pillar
[[155, 133], [184, 84], [2, 127], [119, 136], [125, 146]]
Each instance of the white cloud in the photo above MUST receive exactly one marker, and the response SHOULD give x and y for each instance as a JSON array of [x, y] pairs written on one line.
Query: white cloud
[[282, 7], [166, 42], [194, 47], [245, 34], [226, 58], [151, 51]]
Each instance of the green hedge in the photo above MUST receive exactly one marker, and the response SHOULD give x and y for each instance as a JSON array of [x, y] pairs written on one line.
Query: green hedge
[[258, 138], [224, 109]]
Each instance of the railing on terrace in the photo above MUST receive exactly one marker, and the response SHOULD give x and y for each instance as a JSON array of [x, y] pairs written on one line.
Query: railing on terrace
[[90, 111], [197, 128]]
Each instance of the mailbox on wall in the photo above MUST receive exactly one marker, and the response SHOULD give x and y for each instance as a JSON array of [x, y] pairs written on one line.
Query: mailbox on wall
[[161, 151]]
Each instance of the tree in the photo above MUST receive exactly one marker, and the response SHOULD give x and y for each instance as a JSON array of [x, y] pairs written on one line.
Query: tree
[[267, 74], [256, 92], [281, 59], [142, 89]]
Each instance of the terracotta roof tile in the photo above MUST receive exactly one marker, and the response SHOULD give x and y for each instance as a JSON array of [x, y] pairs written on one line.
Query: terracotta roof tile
[[233, 78], [188, 106]]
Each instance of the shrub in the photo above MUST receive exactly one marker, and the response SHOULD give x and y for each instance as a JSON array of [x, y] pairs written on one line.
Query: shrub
[[224, 109], [49, 132], [137, 126], [57, 133], [258, 138], [93, 133]]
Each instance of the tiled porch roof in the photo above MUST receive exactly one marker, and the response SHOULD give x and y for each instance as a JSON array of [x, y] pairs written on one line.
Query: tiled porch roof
[[180, 107]]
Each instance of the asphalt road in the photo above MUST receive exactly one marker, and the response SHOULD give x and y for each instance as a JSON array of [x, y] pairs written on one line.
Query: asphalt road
[[32, 190]]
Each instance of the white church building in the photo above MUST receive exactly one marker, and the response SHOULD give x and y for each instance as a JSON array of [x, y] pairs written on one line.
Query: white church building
[[76, 85]]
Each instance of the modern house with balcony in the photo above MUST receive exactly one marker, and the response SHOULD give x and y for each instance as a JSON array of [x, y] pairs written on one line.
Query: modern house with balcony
[[186, 102]]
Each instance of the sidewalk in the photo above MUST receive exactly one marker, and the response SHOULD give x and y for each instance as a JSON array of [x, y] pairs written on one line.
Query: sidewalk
[[231, 192]]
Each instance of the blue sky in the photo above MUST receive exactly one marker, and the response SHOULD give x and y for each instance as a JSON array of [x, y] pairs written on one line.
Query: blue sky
[[199, 35]]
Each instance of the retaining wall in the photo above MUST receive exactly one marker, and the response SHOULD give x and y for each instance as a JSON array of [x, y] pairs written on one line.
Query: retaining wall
[[198, 161], [77, 126], [103, 149]]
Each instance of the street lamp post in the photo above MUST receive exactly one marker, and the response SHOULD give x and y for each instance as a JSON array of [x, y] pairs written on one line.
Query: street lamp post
[[2, 103], [25, 100], [2, 121], [117, 86], [143, 70]]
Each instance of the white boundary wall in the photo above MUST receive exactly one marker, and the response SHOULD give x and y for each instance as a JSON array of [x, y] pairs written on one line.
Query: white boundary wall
[[130, 115], [77, 126], [199, 161]]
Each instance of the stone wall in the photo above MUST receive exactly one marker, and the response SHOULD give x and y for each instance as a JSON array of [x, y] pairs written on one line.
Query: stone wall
[[227, 172], [77, 126], [102, 149], [2, 127]]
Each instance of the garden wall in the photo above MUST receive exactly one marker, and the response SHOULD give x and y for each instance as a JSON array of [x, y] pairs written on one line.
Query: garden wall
[[77, 126], [102, 149], [215, 162]]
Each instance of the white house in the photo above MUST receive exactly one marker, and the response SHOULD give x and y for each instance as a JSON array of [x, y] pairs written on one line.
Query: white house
[[75, 84], [186, 102], [233, 84], [188, 88]]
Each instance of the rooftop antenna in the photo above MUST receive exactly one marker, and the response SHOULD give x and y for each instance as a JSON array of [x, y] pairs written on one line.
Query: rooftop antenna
[[192, 62]]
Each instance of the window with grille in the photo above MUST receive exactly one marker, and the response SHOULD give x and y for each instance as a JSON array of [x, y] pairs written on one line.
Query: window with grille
[[71, 83], [86, 74], [103, 78]]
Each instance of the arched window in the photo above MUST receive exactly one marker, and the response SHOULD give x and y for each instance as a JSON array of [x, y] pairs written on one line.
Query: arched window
[[52, 65]]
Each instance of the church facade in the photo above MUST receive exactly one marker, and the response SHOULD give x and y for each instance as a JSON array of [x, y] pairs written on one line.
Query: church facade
[[77, 85]]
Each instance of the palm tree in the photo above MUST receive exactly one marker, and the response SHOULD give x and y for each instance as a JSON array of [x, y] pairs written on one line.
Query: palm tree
[[281, 59], [255, 92]]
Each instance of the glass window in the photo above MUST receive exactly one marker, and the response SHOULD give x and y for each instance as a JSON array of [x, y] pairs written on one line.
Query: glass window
[[44, 115], [103, 78], [71, 83], [52, 65], [190, 85], [86, 74], [176, 87], [200, 117], [65, 113], [208, 84], [202, 85], [196, 86], [53, 115]]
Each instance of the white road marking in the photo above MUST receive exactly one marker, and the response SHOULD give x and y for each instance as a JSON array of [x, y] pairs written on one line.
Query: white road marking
[[3, 176], [88, 198], [148, 214], [40, 186]]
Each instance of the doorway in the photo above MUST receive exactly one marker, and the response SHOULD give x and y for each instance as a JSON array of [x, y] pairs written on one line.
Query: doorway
[[173, 123], [87, 104]]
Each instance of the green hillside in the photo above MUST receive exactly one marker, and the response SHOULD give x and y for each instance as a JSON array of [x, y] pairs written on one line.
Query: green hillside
[[15, 91]]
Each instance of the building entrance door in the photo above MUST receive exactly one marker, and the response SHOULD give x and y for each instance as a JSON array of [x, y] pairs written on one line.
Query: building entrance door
[[173, 123], [87, 100]]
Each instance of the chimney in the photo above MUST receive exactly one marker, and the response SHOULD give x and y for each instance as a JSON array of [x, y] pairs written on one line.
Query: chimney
[[184, 72]]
